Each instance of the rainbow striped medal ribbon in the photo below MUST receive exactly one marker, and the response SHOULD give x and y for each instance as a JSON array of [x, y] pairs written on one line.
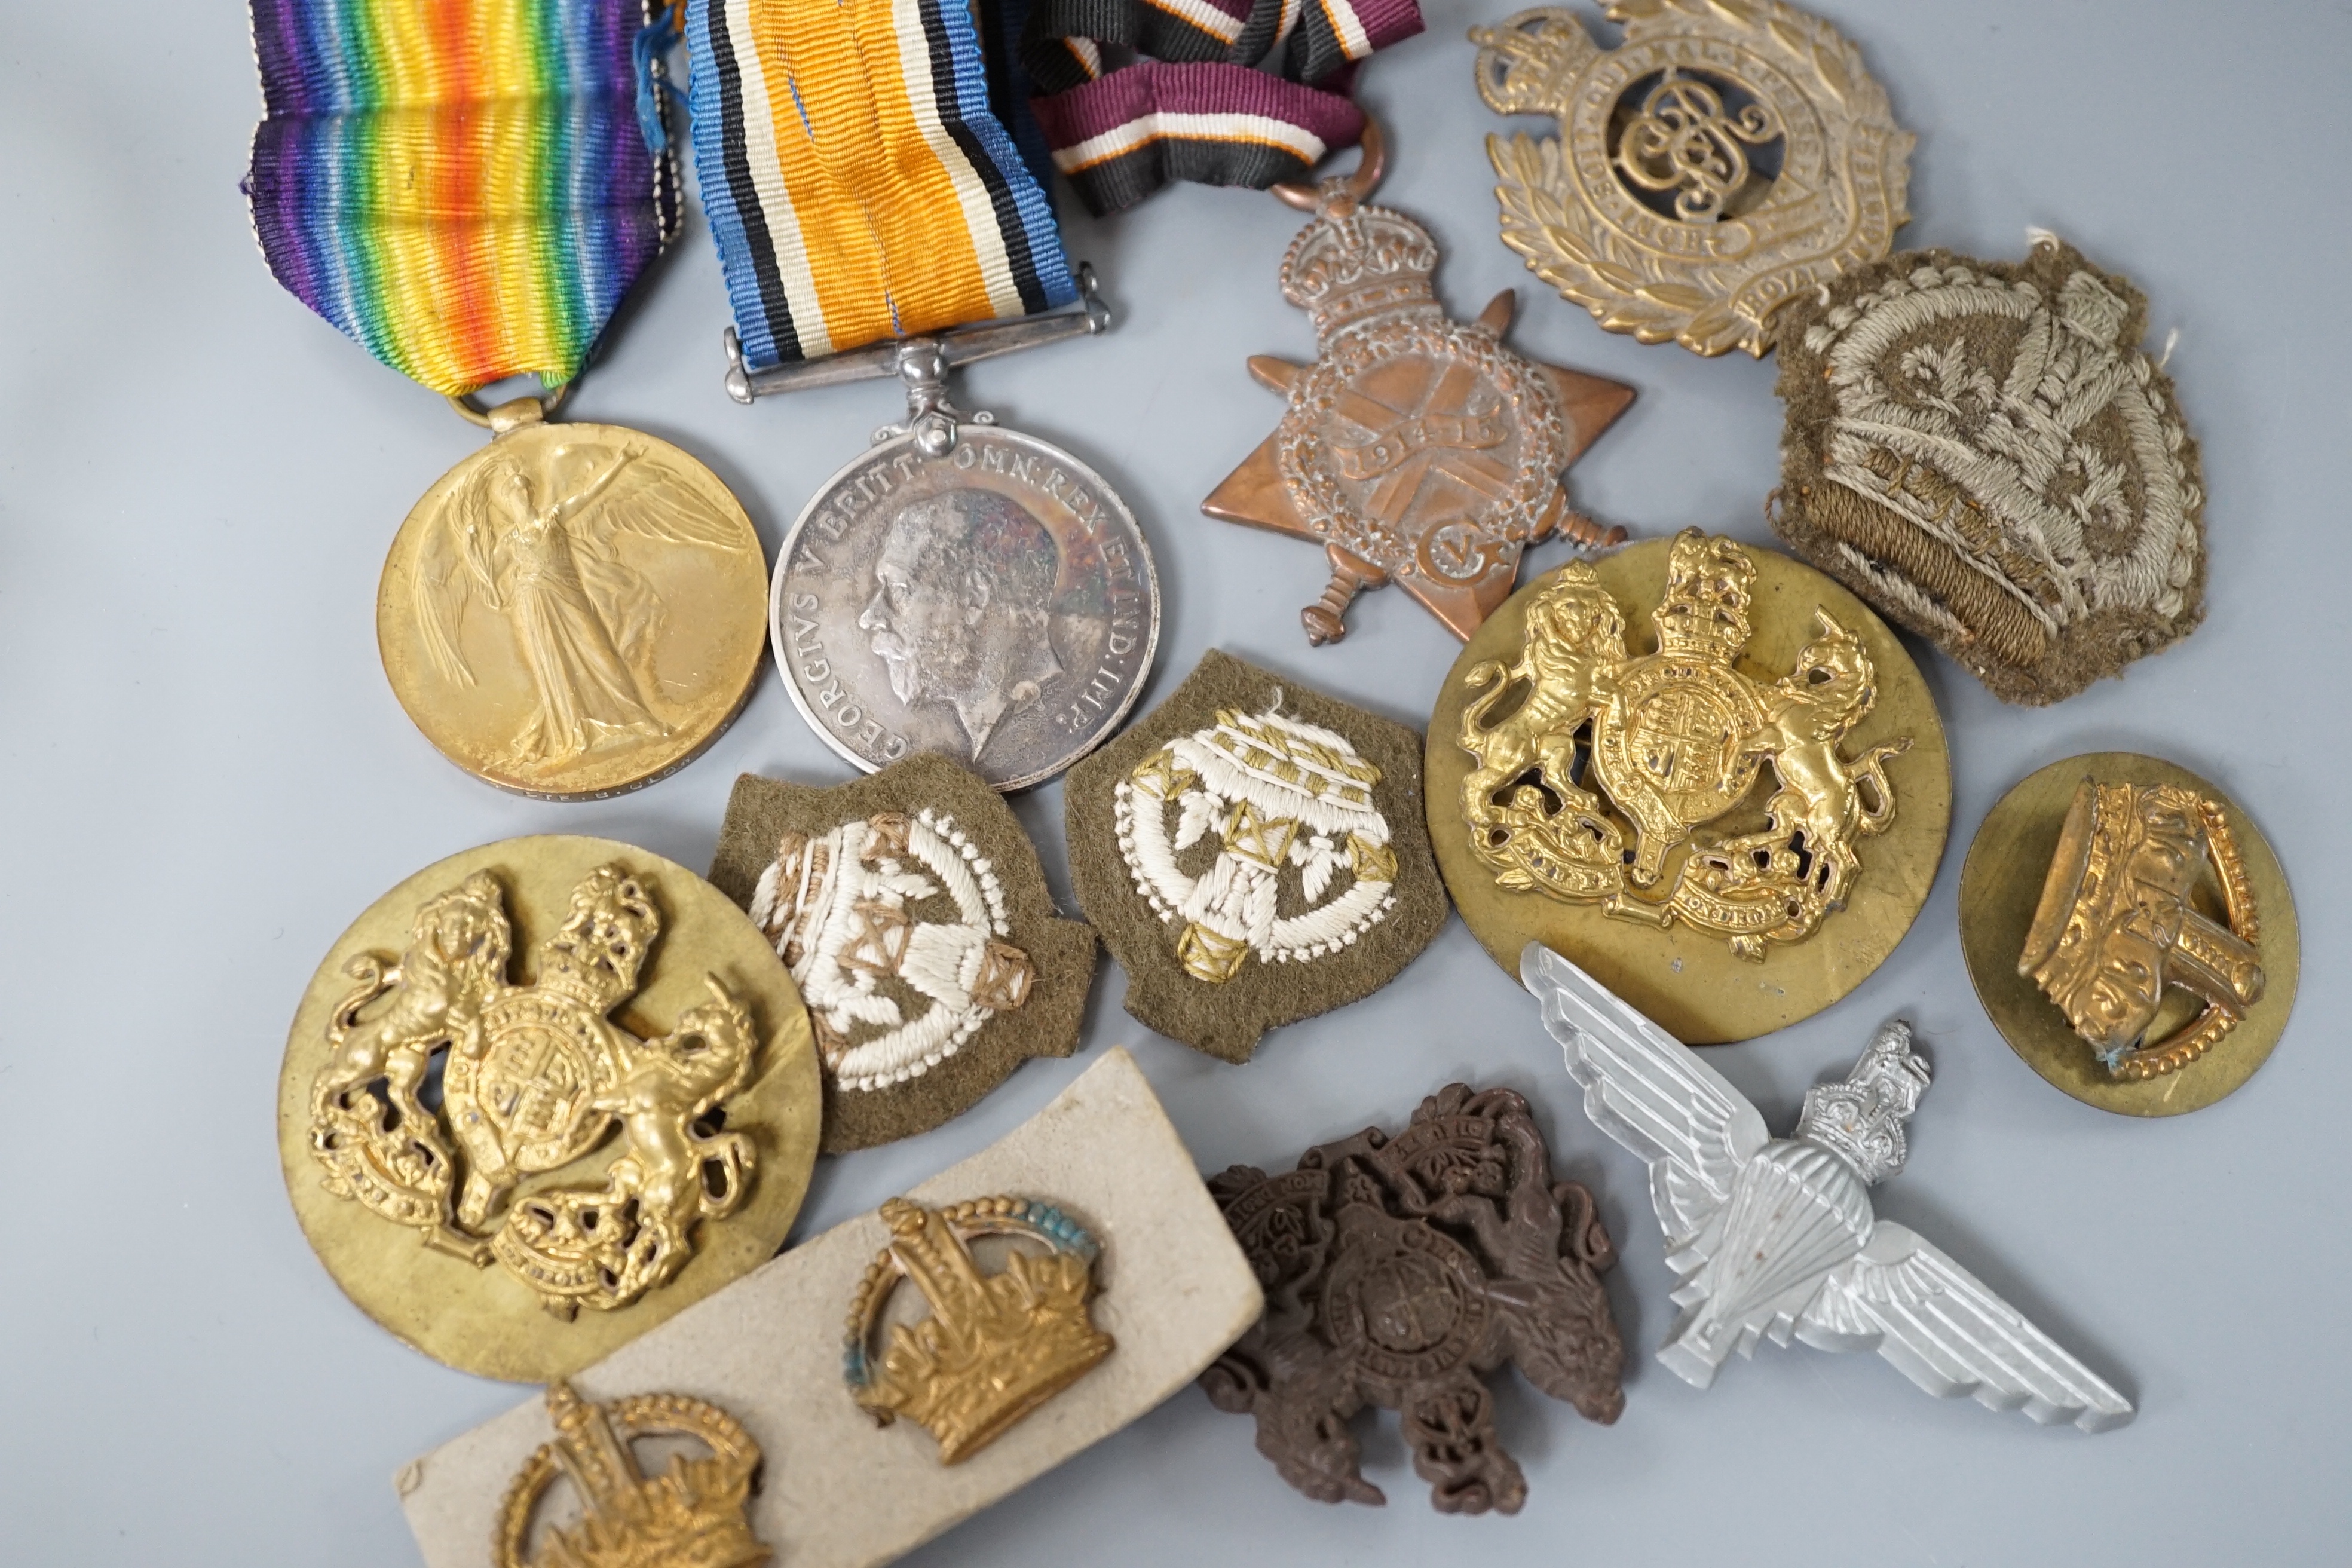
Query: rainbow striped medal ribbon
[[468, 189]]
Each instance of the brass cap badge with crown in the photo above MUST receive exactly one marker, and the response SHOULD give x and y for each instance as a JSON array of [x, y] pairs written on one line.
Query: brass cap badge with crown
[[690, 1516], [1599, 784], [996, 1346]]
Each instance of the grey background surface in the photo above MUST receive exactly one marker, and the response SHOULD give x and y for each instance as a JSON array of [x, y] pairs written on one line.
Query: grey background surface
[[206, 777]]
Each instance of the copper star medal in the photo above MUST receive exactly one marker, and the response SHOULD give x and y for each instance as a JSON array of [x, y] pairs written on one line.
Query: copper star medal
[[1416, 449], [913, 916]]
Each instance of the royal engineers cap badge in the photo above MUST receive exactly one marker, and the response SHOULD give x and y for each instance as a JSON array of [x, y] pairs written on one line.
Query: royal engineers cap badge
[[1415, 450], [562, 1182], [1725, 157], [1692, 811]]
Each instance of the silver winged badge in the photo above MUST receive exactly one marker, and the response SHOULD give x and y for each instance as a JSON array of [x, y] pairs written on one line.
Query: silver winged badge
[[1776, 1237]]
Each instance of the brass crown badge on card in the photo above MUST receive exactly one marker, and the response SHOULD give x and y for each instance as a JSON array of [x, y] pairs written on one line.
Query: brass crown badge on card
[[996, 1346], [691, 1515], [1725, 157]]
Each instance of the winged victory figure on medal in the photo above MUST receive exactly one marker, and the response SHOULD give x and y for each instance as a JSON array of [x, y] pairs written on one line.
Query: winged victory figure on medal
[[1776, 1237], [538, 542]]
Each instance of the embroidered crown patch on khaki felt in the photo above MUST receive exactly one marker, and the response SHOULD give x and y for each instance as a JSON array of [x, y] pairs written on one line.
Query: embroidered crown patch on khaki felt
[[911, 912], [1982, 451], [1253, 853]]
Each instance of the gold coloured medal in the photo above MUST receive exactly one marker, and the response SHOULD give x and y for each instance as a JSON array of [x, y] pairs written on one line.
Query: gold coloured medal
[[539, 1097], [1726, 156], [2130, 933], [1730, 817], [574, 611]]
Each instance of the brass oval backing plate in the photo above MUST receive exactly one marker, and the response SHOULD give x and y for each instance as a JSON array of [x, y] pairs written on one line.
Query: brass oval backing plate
[[1690, 982], [2000, 883], [483, 1319]]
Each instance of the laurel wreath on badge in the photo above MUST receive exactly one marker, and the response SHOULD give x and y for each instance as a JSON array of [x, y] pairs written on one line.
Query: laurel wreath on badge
[[1659, 286]]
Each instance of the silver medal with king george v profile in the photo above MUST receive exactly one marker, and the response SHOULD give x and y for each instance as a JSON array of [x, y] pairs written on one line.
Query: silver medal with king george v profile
[[988, 597]]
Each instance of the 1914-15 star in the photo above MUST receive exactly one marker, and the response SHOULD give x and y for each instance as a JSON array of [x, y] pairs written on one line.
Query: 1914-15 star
[[1416, 449]]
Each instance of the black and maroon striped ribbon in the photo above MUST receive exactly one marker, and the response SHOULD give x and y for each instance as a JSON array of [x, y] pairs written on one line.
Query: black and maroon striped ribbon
[[1135, 93]]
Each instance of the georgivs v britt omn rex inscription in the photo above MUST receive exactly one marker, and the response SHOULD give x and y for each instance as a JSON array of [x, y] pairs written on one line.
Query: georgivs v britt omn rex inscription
[[995, 603]]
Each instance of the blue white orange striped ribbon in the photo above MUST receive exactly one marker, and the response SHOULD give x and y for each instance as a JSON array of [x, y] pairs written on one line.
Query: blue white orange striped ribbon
[[859, 184]]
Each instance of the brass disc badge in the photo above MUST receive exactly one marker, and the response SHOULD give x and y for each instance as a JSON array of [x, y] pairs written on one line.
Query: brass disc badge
[[1721, 159], [574, 611], [478, 1158], [1416, 449], [2130, 933], [1711, 826]]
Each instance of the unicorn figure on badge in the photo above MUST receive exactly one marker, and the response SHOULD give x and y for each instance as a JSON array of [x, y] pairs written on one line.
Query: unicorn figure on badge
[[1776, 1237]]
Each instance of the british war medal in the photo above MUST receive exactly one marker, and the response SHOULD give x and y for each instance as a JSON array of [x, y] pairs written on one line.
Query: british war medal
[[960, 587], [469, 190]]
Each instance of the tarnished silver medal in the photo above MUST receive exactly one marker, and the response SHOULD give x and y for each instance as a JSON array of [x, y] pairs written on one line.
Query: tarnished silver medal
[[960, 587]]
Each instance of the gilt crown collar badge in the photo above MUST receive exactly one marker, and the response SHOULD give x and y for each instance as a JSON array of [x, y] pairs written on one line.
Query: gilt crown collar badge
[[995, 1346], [692, 1515]]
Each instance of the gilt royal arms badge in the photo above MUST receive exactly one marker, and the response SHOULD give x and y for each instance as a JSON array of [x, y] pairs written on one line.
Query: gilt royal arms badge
[[515, 1174], [1701, 787]]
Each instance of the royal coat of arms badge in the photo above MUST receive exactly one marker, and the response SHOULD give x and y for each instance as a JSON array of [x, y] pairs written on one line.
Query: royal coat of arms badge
[[434, 1094], [1676, 739], [1721, 787]]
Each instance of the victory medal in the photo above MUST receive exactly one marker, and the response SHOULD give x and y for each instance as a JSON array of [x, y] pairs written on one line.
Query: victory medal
[[575, 610]]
